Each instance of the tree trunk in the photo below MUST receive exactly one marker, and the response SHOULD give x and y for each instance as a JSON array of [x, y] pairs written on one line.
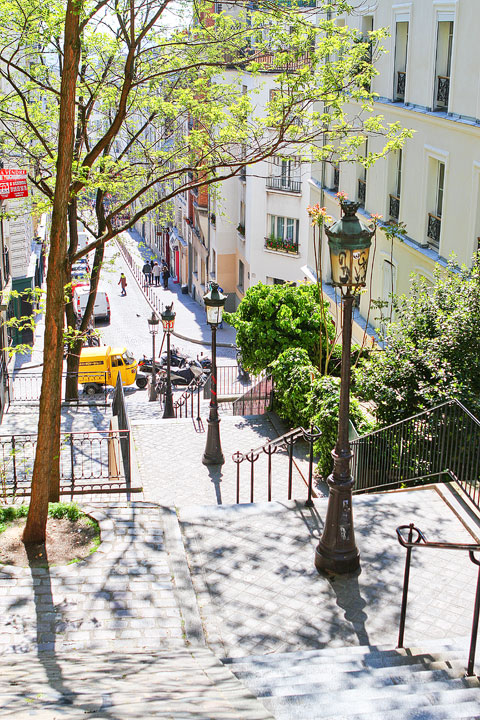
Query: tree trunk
[[47, 456]]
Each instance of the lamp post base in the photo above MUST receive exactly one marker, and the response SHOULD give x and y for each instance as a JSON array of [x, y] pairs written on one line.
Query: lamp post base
[[213, 454], [152, 392], [337, 552], [168, 411]]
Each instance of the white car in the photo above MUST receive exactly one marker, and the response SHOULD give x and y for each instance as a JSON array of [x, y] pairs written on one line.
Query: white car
[[101, 308]]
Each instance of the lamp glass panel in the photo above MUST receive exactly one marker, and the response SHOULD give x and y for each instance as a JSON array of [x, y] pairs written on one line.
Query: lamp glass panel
[[214, 314], [349, 267]]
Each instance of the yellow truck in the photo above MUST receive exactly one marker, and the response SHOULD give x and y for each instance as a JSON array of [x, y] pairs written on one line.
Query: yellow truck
[[100, 366]]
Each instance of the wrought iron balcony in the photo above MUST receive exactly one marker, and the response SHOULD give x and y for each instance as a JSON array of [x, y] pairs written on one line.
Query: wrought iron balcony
[[284, 184], [400, 92], [394, 207], [433, 230], [362, 189], [443, 90], [290, 247]]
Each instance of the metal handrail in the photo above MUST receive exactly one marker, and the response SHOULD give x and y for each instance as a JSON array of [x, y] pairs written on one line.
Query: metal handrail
[[195, 386], [284, 442], [416, 538]]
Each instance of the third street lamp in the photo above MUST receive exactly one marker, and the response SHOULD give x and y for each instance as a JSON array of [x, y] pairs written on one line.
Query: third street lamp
[[168, 322]]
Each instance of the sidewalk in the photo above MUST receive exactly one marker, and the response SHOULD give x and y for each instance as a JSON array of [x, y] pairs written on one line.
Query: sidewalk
[[190, 319]]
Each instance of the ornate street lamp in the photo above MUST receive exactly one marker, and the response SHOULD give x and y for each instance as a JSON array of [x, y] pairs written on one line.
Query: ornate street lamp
[[214, 303], [168, 322], [349, 242], [153, 323]]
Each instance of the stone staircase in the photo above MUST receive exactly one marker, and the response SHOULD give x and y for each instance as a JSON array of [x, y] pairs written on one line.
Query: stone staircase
[[176, 684], [363, 683]]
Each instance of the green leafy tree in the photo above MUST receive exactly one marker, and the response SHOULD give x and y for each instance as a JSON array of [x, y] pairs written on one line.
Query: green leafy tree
[[293, 374], [432, 347], [115, 113], [274, 318]]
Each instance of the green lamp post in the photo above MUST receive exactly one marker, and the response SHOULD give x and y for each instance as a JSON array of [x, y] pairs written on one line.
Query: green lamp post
[[214, 304], [349, 242]]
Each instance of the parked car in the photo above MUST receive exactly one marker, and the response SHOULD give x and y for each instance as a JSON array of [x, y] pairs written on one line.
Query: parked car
[[101, 308]]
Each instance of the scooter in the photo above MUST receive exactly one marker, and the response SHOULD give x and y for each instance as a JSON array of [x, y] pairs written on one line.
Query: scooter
[[183, 375], [179, 359]]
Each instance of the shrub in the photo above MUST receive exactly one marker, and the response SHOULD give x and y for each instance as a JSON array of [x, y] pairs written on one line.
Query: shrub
[[322, 409], [293, 375]]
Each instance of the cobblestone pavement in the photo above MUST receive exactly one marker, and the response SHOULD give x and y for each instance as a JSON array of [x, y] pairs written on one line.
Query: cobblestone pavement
[[169, 454], [122, 596], [258, 590]]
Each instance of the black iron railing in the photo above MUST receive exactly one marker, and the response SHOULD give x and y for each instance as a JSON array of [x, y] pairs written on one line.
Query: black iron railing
[[400, 91], [284, 443], [284, 184], [186, 403], [433, 229], [415, 538], [88, 464], [257, 400], [438, 444], [394, 207], [443, 91], [25, 388], [233, 380], [119, 410]]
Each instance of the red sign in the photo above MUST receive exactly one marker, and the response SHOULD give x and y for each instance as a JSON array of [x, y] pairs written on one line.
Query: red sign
[[13, 184]]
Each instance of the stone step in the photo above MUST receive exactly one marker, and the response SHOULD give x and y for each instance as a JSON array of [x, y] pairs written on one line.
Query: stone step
[[317, 706], [187, 684], [293, 667]]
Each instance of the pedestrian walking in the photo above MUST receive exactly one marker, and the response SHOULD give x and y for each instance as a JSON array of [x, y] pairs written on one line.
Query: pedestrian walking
[[147, 273], [156, 271], [123, 283], [165, 276]]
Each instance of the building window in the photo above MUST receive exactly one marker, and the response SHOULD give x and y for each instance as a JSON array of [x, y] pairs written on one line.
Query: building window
[[213, 268], [284, 174], [435, 217], [241, 276], [283, 234], [362, 179], [401, 47], [394, 198], [443, 64]]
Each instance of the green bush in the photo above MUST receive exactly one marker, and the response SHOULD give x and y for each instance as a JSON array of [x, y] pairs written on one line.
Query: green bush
[[62, 510], [293, 375], [322, 409]]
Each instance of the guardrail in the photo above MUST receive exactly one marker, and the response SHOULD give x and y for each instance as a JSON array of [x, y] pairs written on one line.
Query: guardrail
[[88, 464], [416, 539], [25, 387]]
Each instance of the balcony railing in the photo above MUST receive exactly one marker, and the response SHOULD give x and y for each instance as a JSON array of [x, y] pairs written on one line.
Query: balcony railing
[[443, 90], [394, 207], [284, 184], [362, 189], [400, 92], [281, 245], [433, 230]]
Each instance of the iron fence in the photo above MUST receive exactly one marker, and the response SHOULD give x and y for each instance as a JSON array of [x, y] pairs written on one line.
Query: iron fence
[[257, 400], [284, 443], [435, 444], [26, 387], [119, 410], [234, 380], [88, 463]]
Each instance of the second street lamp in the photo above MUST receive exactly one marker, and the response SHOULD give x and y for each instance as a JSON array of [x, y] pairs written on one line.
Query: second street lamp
[[153, 323], [349, 242], [168, 322], [214, 303]]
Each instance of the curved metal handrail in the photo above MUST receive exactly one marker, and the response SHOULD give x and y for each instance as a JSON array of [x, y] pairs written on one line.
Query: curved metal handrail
[[416, 539]]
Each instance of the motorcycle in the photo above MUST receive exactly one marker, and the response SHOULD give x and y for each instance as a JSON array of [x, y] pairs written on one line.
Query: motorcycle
[[192, 370], [179, 359]]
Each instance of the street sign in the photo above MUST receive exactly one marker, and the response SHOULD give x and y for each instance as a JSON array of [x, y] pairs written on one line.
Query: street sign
[[13, 183]]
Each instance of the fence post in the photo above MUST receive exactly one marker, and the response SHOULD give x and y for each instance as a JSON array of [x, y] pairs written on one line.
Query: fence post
[[476, 613]]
